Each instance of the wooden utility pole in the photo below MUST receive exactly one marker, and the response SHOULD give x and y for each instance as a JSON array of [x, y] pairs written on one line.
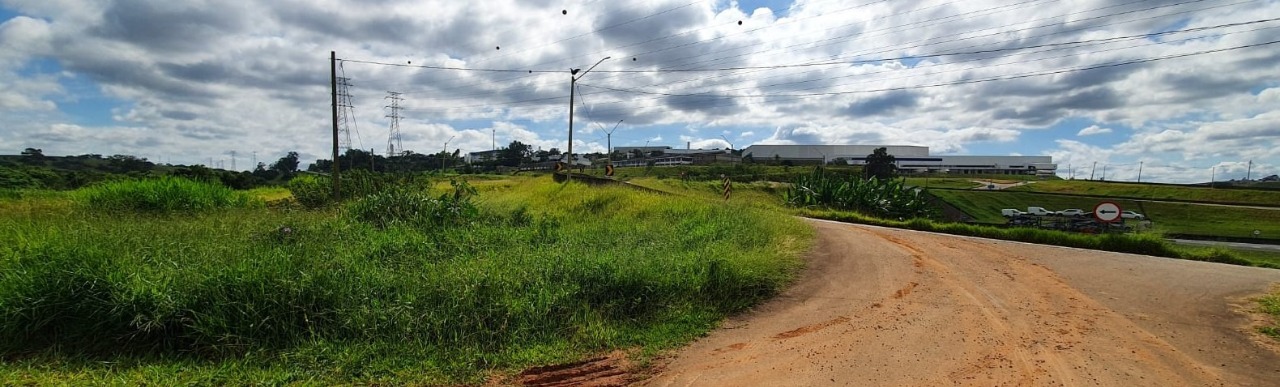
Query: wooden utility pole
[[333, 94]]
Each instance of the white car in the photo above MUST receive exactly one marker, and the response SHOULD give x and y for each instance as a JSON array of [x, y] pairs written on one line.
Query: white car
[[1132, 215], [1071, 212], [1010, 212], [1040, 211]]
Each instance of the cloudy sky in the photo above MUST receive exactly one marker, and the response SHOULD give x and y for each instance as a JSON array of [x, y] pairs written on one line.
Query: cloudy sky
[[1184, 88]]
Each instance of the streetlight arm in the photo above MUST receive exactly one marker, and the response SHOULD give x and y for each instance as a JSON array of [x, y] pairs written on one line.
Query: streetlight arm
[[584, 73]]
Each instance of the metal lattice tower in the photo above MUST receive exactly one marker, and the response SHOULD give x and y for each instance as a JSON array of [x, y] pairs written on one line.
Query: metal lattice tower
[[346, 114], [393, 139]]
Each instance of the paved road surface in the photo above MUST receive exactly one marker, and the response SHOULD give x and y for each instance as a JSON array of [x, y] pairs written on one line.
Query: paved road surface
[[1234, 245], [880, 306]]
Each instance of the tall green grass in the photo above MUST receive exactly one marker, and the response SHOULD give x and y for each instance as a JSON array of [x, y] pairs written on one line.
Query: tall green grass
[[316, 191], [160, 195], [542, 273]]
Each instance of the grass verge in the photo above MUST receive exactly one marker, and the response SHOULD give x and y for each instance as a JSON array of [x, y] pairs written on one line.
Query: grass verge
[[541, 273], [1270, 305]]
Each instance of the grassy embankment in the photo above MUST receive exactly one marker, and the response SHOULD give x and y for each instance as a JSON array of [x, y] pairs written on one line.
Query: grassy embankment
[[1173, 218], [1155, 192], [534, 273]]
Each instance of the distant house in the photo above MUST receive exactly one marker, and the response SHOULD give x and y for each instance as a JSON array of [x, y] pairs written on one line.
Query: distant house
[[482, 156], [664, 156]]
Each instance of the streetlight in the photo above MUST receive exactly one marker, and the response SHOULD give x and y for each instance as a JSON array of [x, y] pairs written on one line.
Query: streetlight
[[444, 152], [573, 85]]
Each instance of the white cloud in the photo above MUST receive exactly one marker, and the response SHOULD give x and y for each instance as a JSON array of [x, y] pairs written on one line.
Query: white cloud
[[196, 77], [1092, 130]]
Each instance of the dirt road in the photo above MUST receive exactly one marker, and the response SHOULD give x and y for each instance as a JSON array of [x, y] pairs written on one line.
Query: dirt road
[[881, 306]]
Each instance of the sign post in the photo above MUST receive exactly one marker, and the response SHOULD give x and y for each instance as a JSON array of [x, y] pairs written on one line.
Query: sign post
[[1107, 212], [728, 187]]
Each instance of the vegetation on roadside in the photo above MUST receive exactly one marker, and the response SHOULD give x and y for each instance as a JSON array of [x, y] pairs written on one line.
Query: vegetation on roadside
[[34, 170], [1147, 243], [1270, 306], [490, 278]]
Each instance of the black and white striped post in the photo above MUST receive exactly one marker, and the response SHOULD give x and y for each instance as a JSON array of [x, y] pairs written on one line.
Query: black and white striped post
[[728, 187]]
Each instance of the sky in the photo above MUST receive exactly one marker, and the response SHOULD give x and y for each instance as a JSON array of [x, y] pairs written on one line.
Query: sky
[[1178, 91]]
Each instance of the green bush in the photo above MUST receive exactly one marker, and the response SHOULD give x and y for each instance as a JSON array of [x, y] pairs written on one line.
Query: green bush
[[886, 198], [406, 205], [164, 194], [311, 191], [314, 191]]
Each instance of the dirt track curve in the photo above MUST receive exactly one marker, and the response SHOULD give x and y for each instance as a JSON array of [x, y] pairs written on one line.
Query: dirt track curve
[[879, 306]]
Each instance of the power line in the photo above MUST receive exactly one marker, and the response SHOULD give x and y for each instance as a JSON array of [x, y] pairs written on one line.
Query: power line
[[1062, 44], [954, 83], [534, 100], [999, 32], [1106, 40], [598, 30], [841, 63]]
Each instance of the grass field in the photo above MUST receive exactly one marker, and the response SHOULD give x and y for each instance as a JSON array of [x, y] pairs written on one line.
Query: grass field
[[1153, 191], [541, 273]]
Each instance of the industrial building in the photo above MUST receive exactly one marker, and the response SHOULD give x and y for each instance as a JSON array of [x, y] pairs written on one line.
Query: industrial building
[[910, 159]]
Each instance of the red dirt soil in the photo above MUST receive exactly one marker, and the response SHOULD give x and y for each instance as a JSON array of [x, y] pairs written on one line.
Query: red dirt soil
[[879, 306]]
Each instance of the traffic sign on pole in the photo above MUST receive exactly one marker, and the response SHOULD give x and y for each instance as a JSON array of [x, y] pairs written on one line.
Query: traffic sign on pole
[[1107, 212]]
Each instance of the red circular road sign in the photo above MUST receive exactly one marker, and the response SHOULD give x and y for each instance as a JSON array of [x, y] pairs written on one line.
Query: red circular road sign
[[1107, 212]]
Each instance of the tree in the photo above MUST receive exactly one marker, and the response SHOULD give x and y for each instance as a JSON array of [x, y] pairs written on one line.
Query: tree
[[880, 164], [33, 152], [128, 163], [287, 165], [514, 153]]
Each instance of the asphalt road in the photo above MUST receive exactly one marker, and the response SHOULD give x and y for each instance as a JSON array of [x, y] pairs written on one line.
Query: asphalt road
[[1234, 245]]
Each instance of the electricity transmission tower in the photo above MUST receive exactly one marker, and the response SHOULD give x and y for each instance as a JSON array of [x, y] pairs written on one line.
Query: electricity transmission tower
[[346, 114], [393, 139]]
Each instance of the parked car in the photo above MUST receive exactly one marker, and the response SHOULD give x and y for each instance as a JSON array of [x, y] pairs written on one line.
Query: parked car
[[1041, 211], [1072, 212], [1011, 212], [1132, 215]]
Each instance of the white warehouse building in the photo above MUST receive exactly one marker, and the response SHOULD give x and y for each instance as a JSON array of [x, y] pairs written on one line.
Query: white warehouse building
[[910, 159]]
